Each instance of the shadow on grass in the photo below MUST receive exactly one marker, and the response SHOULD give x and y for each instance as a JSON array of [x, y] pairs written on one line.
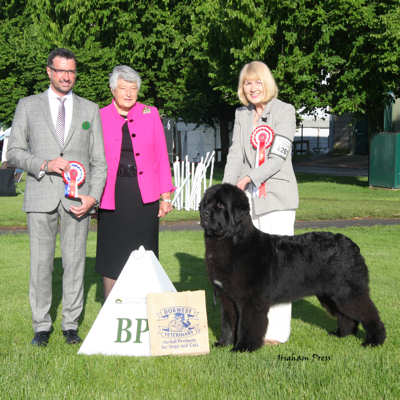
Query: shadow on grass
[[344, 180], [91, 278], [193, 276], [313, 315]]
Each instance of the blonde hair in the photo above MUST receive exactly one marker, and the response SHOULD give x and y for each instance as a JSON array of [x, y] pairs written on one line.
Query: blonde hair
[[257, 70]]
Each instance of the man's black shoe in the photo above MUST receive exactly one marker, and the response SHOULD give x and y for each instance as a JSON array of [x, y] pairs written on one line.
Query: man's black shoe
[[71, 336], [41, 338]]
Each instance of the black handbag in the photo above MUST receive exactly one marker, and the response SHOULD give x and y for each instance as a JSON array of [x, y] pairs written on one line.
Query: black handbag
[[7, 182]]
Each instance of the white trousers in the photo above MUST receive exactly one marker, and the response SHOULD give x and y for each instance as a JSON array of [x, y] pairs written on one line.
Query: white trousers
[[279, 315]]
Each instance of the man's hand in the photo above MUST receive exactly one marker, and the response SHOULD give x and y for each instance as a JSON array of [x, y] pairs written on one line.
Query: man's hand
[[58, 165], [87, 203]]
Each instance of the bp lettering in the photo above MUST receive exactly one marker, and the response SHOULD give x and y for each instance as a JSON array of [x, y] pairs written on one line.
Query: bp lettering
[[125, 328]]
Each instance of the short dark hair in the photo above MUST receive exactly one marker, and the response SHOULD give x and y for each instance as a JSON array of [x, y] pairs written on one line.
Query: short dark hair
[[60, 52]]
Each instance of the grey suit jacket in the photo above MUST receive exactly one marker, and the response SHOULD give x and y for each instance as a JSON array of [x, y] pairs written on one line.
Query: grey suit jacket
[[33, 140], [277, 170]]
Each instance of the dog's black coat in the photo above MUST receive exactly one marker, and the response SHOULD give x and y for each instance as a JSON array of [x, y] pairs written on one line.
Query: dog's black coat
[[251, 270]]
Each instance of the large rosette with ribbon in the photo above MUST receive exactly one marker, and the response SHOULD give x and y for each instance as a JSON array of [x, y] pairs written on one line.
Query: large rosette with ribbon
[[73, 178], [261, 138]]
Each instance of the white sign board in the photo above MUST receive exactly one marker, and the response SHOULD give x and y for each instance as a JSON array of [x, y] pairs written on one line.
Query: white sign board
[[121, 327]]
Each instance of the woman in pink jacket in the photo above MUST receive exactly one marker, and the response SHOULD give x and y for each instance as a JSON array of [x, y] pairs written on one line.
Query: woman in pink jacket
[[139, 185]]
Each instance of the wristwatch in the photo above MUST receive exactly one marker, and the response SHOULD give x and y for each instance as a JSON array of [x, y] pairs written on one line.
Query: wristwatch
[[43, 171]]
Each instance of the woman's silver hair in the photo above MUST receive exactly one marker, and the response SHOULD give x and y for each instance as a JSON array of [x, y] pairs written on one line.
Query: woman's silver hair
[[126, 73]]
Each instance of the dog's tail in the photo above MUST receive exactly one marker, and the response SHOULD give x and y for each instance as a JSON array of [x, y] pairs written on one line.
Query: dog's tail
[[372, 323]]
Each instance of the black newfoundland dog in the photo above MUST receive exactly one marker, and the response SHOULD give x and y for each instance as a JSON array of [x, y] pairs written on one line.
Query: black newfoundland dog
[[251, 270]]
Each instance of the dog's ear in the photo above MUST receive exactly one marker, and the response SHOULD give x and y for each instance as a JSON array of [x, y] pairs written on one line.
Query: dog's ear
[[239, 215], [240, 225]]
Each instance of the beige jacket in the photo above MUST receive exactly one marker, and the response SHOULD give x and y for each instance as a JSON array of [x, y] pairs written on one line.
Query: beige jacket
[[277, 170]]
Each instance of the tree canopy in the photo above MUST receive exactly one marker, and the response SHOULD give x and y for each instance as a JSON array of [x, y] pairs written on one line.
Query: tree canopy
[[344, 54]]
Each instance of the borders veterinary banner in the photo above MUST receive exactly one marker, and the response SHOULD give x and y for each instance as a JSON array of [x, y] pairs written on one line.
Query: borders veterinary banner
[[178, 323]]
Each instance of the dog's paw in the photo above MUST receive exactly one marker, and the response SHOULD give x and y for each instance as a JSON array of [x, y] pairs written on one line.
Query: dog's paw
[[221, 344], [372, 343], [245, 347], [341, 334]]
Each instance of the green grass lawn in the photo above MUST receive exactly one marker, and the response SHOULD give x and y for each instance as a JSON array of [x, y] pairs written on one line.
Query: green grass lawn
[[321, 198], [326, 367], [333, 197]]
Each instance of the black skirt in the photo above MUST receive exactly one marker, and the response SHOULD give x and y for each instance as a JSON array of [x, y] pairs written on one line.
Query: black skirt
[[132, 224]]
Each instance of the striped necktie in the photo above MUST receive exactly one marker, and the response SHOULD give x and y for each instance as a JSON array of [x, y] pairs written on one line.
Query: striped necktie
[[60, 126]]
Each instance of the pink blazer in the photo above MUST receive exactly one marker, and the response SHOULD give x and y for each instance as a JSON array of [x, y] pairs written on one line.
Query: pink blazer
[[149, 149]]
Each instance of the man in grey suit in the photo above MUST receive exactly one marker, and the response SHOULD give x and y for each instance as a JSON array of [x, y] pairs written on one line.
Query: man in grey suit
[[49, 130]]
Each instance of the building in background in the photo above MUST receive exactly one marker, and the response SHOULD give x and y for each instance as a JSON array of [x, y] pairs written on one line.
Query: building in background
[[313, 133], [195, 140], [318, 133]]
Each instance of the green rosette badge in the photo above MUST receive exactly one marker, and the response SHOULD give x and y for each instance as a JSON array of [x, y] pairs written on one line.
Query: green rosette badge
[[86, 125]]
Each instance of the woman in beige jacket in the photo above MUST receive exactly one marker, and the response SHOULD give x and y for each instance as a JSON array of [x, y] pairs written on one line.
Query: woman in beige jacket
[[260, 163]]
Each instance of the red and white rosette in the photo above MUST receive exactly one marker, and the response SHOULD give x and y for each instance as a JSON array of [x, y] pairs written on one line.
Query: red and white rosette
[[261, 138], [73, 178]]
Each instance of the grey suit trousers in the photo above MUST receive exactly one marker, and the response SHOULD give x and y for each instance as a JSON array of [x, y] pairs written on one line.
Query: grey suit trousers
[[43, 228]]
